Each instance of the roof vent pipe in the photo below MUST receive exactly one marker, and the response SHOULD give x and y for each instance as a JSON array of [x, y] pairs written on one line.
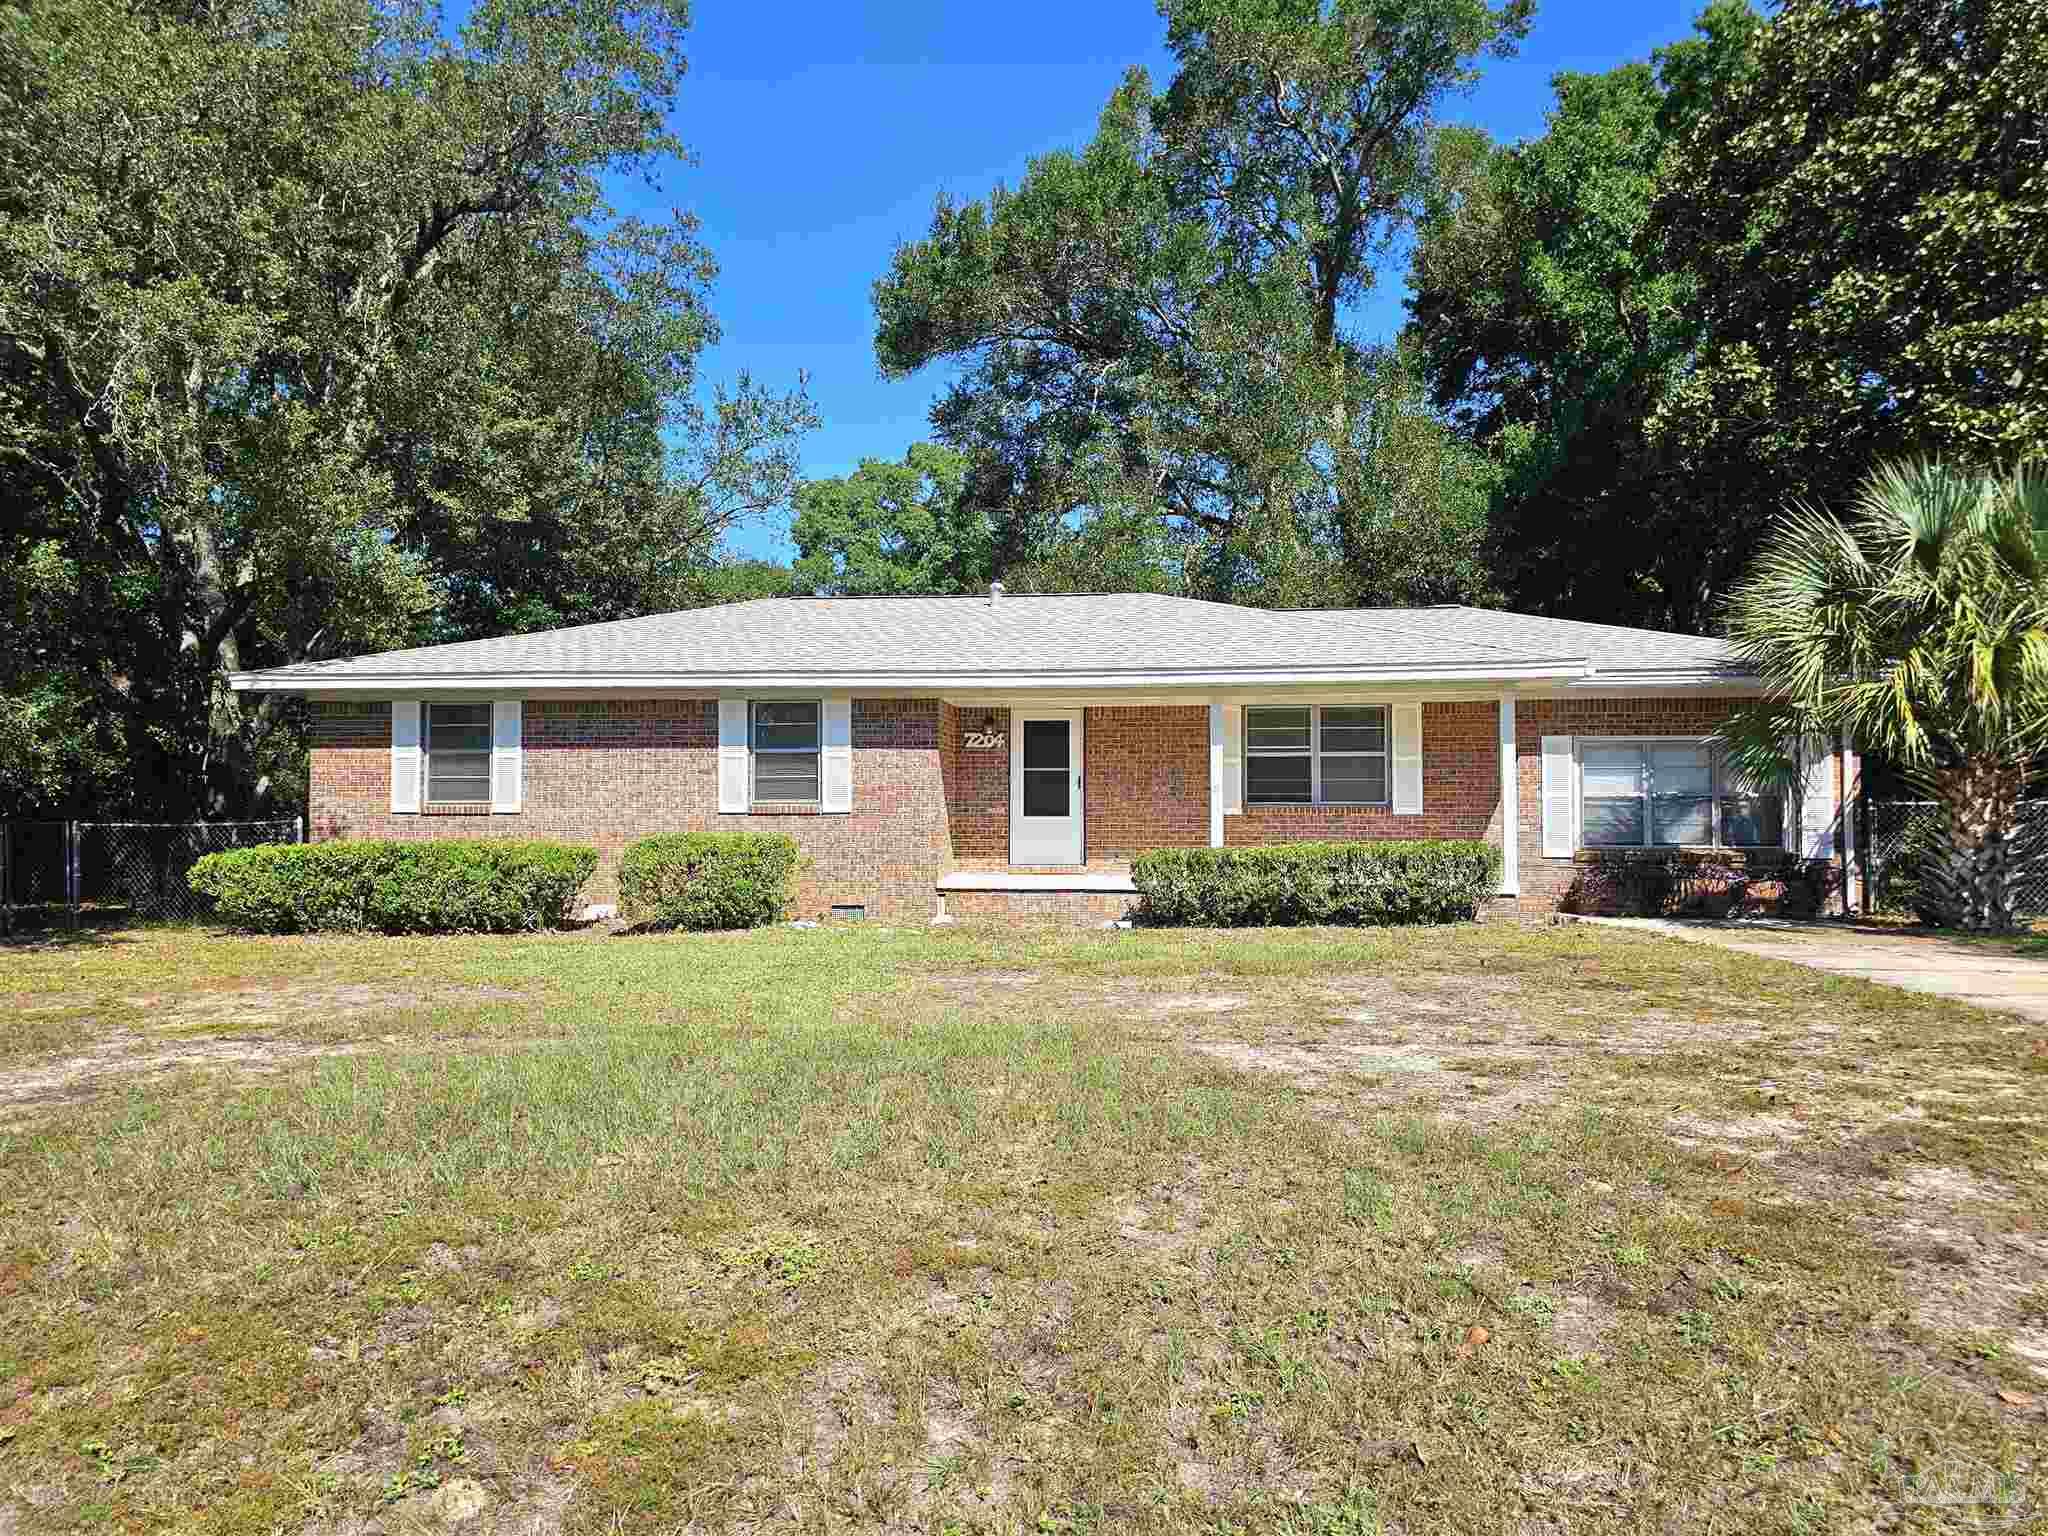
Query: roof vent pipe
[[995, 590]]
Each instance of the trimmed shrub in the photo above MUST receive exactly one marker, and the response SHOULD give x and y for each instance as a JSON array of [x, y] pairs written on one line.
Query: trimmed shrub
[[1299, 883], [450, 886], [708, 879], [1685, 882]]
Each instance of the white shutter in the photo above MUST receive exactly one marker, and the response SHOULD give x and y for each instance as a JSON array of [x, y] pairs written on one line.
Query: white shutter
[[508, 768], [1816, 799], [1407, 759], [406, 759], [732, 755], [1233, 759], [835, 763], [1560, 814]]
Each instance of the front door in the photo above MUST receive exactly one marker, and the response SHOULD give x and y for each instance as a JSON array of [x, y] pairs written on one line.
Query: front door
[[1045, 788]]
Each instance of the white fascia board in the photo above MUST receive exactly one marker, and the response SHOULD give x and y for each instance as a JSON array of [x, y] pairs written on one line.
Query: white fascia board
[[398, 684]]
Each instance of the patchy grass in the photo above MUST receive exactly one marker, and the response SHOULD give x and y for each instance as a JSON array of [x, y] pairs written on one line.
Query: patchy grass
[[972, 1230]]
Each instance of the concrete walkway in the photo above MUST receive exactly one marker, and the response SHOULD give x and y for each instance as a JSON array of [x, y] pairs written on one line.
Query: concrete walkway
[[1982, 973]]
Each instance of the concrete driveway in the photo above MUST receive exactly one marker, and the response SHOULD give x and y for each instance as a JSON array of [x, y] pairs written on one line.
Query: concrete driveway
[[1984, 974]]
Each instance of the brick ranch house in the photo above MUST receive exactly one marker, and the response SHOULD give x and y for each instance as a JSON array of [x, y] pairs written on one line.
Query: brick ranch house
[[993, 754]]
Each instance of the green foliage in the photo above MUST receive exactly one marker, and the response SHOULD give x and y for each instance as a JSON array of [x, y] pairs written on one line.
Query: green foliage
[[1864, 211], [1552, 326], [1151, 328], [318, 336], [1921, 846], [1685, 883], [739, 581], [893, 528], [479, 885], [703, 880], [1918, 629], [1334, 883]]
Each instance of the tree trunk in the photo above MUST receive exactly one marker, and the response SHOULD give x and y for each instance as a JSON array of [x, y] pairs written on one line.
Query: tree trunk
[[1971, 884]]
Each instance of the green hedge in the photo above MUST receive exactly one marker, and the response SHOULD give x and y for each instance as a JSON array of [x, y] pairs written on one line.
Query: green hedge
[[708, 879], [1297, 883], [444, 886]]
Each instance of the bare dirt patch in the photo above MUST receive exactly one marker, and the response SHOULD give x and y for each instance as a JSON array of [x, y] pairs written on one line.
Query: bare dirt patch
[[270, 1007], [1581, 1322], [126, 1057]]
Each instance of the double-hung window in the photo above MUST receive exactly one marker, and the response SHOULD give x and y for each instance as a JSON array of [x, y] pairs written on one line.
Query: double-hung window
[[784, 738], [458, 747], [1669, 794], [1328, 754]]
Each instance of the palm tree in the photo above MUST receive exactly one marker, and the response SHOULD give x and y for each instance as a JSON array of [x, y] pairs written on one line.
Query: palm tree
[[1920, 629]]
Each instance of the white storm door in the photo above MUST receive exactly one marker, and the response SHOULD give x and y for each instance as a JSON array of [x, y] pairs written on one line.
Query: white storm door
[[1045, 788]]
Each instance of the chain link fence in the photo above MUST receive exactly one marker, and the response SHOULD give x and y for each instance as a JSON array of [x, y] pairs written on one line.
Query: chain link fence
[[55, 872], [1885, 829]]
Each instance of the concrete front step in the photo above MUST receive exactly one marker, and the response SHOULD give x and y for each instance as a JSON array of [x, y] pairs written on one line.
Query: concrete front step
[[1096, 896]]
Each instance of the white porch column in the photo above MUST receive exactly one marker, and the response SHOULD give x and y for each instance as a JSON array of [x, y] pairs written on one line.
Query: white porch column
[[1216, 745], [1510, 803]]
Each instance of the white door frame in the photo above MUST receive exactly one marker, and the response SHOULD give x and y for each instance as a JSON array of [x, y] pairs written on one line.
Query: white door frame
[[1032, 843]]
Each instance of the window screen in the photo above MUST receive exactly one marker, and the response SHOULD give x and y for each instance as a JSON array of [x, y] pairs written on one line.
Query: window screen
[[785, 741], [458, 754], [1612, 777], [1333, 754], [1047, 753], [1669, 794]]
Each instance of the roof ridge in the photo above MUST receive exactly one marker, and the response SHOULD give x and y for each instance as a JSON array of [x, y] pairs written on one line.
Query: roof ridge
[[1374, 629], [1622, 629]]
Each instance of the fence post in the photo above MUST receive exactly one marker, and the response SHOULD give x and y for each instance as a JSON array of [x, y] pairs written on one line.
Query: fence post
[[6, 879], [1863, 832], [71, 870], [298, 829]]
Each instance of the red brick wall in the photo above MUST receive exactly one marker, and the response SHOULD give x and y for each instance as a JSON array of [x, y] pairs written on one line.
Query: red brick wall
[[1147, 780], [605, 772], [1545, 882], [977, 788], [1460, 791], [1145, 784]]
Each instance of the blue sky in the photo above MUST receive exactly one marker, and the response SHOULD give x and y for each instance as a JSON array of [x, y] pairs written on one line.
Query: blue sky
[[824, 131]]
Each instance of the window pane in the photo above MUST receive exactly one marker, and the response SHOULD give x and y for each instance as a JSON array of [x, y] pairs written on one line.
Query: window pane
[[786, 776], [1045, 744], [1354, 780], [1681, 770], [1045, 792], [1612, 772], [1276, 780], [1684, 818], [786, 725], [458, 728], [1614, 823], [1355, 728], [1276, 728], [1752, 821], [458, 777]]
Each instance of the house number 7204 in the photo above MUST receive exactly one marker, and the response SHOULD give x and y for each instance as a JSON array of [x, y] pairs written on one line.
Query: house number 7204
[[986, 741]]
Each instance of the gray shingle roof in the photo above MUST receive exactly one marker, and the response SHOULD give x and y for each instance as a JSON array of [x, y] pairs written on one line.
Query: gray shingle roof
[[1018, 635], [1608, 647]]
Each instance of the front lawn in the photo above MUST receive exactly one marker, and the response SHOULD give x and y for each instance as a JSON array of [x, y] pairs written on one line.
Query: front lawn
[[1485, 1228]]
